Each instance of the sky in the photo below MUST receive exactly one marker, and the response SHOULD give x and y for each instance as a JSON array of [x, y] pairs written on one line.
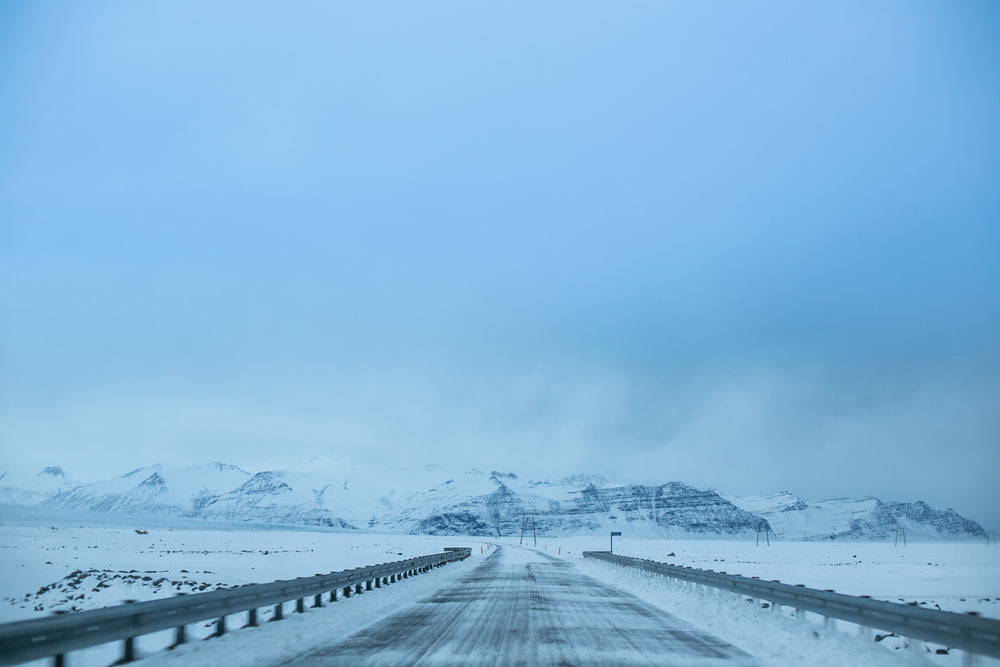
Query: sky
[[749, 246]]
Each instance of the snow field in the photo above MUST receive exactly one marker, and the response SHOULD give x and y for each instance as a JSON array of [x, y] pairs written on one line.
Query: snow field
[[110, 565]]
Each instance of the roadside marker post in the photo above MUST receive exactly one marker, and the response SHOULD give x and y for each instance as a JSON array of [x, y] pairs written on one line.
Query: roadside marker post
[[614, 534]]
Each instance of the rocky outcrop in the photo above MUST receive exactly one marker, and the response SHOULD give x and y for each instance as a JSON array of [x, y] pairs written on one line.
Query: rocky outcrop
[[850, 519], [509, 506], [946, 522]]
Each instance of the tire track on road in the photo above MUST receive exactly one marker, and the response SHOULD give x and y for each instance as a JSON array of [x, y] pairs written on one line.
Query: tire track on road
[[524, 607]]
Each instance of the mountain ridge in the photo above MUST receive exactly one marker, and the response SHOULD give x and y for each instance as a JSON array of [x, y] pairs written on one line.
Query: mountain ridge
[[436, 501]]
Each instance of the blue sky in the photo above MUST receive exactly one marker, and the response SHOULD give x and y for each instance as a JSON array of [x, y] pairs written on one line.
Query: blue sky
[[752, 246]]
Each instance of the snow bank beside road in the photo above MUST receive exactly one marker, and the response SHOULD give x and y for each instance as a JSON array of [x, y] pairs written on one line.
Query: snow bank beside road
[[955, 577], [774, 638], [960, 577]]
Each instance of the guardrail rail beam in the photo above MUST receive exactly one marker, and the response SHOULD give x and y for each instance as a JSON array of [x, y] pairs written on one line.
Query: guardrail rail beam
[[55, 636], [971, 633]]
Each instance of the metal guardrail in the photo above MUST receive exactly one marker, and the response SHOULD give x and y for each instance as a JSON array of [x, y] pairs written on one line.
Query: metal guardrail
[[966, 632], [54, 636]]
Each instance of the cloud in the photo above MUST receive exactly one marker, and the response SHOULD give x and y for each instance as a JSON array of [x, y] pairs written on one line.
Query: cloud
[[745, 432]]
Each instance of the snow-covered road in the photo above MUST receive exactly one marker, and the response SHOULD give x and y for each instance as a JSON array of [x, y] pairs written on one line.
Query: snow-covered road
[[524, 607]]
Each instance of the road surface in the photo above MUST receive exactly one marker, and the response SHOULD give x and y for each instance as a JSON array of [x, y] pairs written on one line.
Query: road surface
[[524, 607]]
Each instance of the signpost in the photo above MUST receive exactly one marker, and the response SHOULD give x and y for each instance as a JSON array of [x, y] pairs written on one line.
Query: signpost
[[614, 534]]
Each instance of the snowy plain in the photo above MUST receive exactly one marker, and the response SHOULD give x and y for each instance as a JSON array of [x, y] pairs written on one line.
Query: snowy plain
[[42, 553]]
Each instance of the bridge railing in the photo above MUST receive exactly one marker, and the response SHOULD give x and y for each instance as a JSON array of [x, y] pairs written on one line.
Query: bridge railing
[[966, 632], [54, 636]]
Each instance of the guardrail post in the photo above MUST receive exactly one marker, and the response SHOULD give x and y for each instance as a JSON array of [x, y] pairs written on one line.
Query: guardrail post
[[279, 611], [333, 595], [318, 600], [300, 606], [59, 660], [378, 582], [357, 588], [180, 635], [347, 591], [252, 618], [128, 650], [220, 626], [368, 585]]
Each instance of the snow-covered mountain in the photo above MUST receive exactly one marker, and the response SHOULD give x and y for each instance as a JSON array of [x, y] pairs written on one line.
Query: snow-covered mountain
[[213, 491], [153, 490], [500, 503], [21, 488], [792, 518], [432, 500], [268, 497]]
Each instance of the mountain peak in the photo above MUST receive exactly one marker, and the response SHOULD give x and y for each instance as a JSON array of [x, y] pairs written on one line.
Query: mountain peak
[[218, 466], [154, 483], [583, 479], [156, 467], [266, 482]]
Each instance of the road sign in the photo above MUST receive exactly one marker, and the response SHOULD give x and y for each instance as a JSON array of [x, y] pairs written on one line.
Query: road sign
[[614, 534]]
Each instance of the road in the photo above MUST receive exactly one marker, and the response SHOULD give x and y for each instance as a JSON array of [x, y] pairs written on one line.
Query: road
[[524, 607]]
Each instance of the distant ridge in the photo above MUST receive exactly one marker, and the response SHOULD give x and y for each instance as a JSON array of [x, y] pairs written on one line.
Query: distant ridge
[[431, 500], [857, 519]]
